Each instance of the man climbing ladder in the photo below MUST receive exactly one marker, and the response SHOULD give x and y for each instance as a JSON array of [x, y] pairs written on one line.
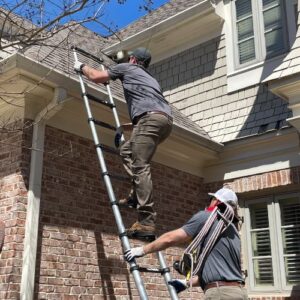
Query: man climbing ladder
[[134, 268], [151, 119]]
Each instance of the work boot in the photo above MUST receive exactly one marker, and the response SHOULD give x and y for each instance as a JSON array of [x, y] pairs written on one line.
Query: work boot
[[138, 230], [128, 202]]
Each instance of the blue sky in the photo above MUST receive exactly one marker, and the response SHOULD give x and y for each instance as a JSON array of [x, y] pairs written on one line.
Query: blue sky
[[122, 14], [113, 14]]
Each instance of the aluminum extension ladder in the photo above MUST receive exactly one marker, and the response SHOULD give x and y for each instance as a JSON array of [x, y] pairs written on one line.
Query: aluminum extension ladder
[[134, 268]]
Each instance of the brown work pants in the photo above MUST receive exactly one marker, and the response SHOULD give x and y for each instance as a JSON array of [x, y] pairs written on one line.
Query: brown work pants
[[137, 152], [226, 293]]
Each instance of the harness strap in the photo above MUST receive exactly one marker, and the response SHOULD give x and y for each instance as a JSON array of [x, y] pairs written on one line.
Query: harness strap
[[195, 252]]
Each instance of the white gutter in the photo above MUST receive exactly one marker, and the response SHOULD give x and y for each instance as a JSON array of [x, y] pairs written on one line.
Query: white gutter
[[175, 20], [58, 78], [34, 193]]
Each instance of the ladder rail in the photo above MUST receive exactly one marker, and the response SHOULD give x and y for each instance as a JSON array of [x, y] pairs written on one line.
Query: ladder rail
[[114, 109], [121, 229], [134, 268], [167, 276]]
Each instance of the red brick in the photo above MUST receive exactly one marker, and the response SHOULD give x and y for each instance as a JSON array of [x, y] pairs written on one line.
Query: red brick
[[80, 252]]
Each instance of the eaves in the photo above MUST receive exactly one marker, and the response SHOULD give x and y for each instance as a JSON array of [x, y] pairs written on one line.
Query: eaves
[[202, 8], [46, 75]]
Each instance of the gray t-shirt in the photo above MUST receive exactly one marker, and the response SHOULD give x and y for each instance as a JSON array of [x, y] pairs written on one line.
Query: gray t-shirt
[[223, 262], [142, 91]]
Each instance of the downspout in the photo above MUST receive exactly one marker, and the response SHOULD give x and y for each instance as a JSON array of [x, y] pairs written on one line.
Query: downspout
[[34, 193]]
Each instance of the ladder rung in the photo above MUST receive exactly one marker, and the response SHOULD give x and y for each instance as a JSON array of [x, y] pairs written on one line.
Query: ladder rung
[[103, 124], [153, 270], [83, 52], [118, 177], [106, 103], [108, 149]]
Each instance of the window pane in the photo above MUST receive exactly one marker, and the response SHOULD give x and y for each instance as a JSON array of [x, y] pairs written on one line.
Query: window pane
[[259, 216], [273, 24], [245, 29], [261, 245], [272, 17], [274, 41], [263, 272], [243, 9], [247, 51], [290, 228], [292, 270], [268, 3]]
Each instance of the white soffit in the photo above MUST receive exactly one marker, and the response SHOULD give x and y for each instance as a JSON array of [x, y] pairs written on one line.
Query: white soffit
[[189, 28]]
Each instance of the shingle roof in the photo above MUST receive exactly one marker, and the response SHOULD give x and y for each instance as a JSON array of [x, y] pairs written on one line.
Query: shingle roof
[[57, 55], [162, 13], [291, 63]]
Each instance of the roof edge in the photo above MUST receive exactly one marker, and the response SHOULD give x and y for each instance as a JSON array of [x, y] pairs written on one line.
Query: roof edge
[[200, 8], [57, 78], [198, 138]]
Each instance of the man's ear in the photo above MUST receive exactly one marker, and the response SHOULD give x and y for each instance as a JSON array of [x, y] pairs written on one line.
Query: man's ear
[[134, 60]]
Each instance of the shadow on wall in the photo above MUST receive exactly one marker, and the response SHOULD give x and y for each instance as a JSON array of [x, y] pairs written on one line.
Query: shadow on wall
[[73, 274], [79, 251], [268, 111], [192, 66]]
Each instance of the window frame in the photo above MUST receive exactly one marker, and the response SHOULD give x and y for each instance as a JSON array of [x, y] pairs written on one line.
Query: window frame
[[259, 34], [285, 286], [250, 265], [275, 223], [255, 71]]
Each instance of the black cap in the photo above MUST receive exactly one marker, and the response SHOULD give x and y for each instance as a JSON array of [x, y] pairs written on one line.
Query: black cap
[[142, 54]]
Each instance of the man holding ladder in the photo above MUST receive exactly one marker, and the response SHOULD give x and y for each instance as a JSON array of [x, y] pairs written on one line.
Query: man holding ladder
[[220, 274]]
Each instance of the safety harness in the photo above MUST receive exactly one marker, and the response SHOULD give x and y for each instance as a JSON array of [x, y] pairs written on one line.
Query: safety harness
[[195, 254]]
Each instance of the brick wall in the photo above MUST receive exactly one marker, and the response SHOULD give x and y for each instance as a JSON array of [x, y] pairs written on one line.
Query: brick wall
[[79, 253], [259, 182], [14, 167], [264, 184], [195, 82]]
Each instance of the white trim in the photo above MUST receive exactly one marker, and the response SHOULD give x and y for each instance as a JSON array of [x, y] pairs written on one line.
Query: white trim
[[193, 43], [284, 285], [274, 218], [158, 28], [34, 194], [249, 247], [269, 152], [252, 74]]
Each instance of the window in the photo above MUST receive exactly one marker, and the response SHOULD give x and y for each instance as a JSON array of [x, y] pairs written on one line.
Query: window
[[259, 34], [273, 243], [296, 11], [260, 29]]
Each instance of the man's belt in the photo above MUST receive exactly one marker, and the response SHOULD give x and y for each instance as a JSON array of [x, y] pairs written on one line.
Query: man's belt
[[223, 283], [137, 118]]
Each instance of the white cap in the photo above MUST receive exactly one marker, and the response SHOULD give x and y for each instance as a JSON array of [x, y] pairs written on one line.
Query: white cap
[[225, 195]]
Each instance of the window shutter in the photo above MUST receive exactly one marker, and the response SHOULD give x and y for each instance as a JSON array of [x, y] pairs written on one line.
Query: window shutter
[[245, 31], [261, 245], [290, 228]]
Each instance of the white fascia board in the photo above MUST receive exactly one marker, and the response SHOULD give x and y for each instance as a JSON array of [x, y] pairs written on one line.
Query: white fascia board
[[198, 139], [35, 70], [54, 78], [194, 11], [256, 155]]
